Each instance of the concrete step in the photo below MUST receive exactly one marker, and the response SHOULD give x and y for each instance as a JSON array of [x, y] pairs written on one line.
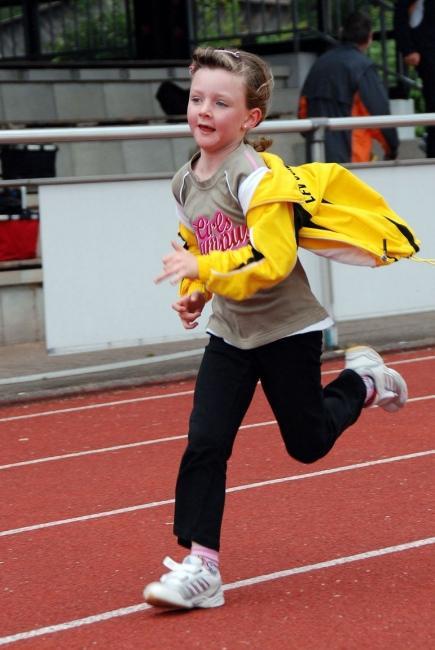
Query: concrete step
[[411, 149]]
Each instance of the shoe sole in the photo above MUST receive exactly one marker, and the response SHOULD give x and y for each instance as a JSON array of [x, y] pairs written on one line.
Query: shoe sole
[[162, 604], [158, 595]]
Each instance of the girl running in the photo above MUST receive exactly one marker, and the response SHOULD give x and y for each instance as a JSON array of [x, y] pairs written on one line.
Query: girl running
[[239, 224]]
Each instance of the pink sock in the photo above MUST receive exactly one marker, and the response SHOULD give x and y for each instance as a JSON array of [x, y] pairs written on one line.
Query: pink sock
[[209, 556], [370, 388]]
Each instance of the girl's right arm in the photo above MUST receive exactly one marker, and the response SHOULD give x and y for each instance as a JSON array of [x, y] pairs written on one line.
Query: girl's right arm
[[189, 309], [189, 285]]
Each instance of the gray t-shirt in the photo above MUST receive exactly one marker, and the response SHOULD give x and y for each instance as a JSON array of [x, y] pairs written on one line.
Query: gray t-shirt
[[212, 210]]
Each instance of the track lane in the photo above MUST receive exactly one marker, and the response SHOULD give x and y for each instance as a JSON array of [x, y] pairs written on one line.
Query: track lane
[[125, 421], [84, 485], [301, 610], [97, 565], [82, 430], [327, 609], [101, 565]]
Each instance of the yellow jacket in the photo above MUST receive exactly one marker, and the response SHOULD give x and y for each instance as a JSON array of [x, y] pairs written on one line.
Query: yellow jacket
[[322, 207]]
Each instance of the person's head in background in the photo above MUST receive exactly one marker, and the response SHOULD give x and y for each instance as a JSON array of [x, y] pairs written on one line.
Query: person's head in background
[[357, 29]]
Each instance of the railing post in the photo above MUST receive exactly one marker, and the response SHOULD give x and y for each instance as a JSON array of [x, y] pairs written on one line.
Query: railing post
[[318, 139], [32, 37]]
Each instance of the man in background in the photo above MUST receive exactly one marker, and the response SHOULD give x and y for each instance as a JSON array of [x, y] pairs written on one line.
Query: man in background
[[343, 82], [414, 26]]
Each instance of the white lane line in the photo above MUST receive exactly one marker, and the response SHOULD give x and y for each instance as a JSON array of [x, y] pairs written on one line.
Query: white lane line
[[239, 584], [104, 367], [339, 561], [101, 405], [91, 452], [399, 362], [130, 445], [141, 443], [164, 396], [237, 488]]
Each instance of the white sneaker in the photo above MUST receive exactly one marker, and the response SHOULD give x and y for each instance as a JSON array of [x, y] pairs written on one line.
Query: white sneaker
[[189, 584], [391, 389]]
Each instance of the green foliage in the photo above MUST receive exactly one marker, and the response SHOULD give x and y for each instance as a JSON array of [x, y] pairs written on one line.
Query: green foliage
[[275, 38], [226, 22], [229, 22], [219, 22], [6, 13], [376, 54], [99, 27]]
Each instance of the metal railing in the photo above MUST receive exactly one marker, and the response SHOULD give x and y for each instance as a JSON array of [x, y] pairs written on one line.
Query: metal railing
[[318, 126], [292, 22], [259, 22]]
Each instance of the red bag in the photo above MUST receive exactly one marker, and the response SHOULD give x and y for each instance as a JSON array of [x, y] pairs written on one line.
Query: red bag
[[18, 239]]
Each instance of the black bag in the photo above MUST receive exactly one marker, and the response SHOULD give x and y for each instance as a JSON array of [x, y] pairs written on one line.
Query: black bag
[[10, 201], [28, 161], [172, 98]]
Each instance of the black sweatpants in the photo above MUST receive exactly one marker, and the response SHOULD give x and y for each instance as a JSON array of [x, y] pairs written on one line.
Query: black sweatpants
[[310, 419]]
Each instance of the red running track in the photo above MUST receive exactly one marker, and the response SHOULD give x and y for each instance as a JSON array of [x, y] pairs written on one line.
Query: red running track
[[339, 554]]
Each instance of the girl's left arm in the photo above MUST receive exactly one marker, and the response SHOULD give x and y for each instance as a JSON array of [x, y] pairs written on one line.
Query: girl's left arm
[[267, 260]]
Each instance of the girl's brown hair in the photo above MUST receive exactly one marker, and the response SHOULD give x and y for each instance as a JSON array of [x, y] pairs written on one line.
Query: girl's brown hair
[[255, 71]]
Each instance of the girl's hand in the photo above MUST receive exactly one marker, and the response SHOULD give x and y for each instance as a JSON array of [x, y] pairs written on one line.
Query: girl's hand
[[189, 309], [178, 265]]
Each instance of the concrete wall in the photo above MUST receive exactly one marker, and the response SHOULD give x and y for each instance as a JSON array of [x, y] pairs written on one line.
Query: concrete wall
[[120, 230], [21, 306]]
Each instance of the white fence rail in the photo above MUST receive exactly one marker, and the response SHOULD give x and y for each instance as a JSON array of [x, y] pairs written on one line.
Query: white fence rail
[[105, 133]]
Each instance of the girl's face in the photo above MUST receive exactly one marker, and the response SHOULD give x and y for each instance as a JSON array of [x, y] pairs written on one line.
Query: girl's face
[[217, 113]]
